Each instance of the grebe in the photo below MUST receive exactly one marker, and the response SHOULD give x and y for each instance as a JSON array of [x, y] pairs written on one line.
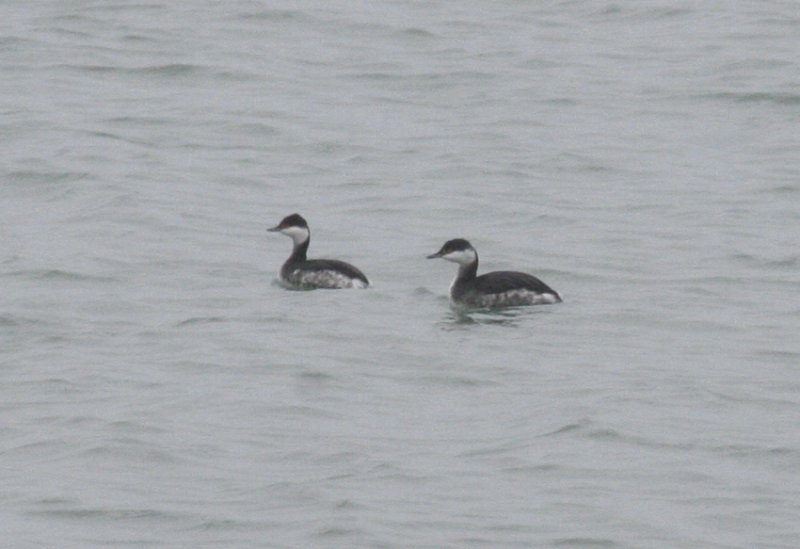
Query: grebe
[[303, 273], [495, 289]]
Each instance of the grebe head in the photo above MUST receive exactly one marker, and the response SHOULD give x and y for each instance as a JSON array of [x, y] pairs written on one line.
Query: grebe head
[[293, 226], [458, 251]]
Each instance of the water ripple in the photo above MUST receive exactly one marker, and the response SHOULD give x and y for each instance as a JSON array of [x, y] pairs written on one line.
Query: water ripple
[[580, 543], [782, 99], [57, 275]]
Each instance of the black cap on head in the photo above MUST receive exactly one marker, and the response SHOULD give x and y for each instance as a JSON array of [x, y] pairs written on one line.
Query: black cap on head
[[294, 220], [457, 244]]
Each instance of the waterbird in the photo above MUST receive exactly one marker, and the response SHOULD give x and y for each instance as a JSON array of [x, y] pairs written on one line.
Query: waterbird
[[300, 272], [495, 289]]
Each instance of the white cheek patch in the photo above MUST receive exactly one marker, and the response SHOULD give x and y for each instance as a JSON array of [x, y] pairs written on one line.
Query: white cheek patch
[[297, 234], [460, 256]]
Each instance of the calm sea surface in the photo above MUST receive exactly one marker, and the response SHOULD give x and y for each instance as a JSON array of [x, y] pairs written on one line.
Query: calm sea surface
[[159, 389]]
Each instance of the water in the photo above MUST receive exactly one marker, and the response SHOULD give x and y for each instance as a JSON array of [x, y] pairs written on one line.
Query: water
[[159, 390]]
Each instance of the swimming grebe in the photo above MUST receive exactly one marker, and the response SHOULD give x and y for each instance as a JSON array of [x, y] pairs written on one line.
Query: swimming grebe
[[495, 289], [305, 273]]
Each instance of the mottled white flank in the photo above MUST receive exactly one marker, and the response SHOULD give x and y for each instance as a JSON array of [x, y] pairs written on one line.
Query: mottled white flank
[[462, 257], [323, 279], [297, 234], [510, 298]]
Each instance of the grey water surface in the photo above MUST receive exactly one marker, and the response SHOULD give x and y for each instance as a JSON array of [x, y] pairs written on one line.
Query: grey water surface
[[159, 389]]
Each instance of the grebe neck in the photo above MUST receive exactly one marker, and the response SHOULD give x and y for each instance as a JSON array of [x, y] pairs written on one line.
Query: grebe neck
[[299, 250]]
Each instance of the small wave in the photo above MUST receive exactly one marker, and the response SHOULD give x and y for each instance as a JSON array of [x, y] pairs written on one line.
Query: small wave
[[746, 451], [338, 532], [8, 41], [59, 275], [783, 99], [168, 70], [780, 354], [607, 434], [29, 177], [532, 469], [501, 448], [273, 15], [667, 13], [634, 11], [416, 32], [584, 542], [56, 501], [422, 291], [172, 69], [315, 376], [199, 320], [131, 427], [456, 381], [131, 448], [111, 514], [787, 262], [569, 428], [348, 504], [222, 524], [786, 188], [237, 75], [8, 321], [258, 128], [304, 411], [586, 428], [141, 120]]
